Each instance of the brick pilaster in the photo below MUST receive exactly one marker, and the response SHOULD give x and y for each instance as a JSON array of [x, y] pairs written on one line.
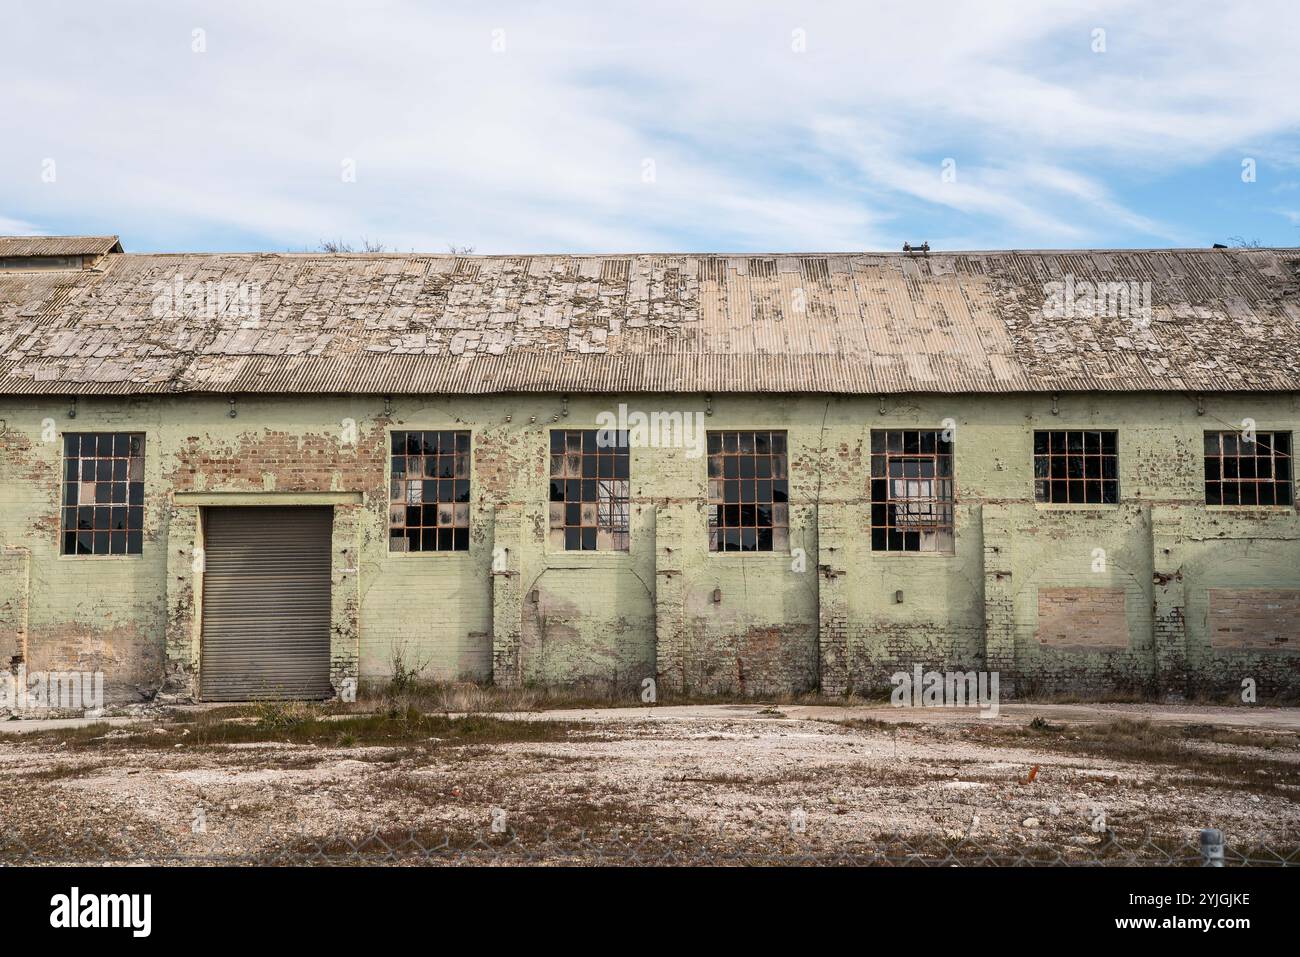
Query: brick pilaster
[[670, 598], [507, 594], [832, 601], [184, 564], [1169, 602], [999, 596], [345, 595]]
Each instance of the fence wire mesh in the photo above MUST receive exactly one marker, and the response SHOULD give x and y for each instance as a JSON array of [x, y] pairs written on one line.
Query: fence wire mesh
[[623, 848]]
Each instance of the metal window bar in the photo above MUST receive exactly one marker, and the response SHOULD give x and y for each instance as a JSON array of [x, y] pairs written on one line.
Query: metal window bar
[[590, 490], [911, 491], [103, 493], [429, 491], [1076, 467], [1242, 471], [749, 492]]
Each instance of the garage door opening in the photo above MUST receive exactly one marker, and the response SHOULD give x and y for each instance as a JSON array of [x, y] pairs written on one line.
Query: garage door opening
[[266, 603]]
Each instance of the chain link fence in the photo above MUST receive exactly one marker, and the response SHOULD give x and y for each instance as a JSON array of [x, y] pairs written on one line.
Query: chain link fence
[[628, 847]]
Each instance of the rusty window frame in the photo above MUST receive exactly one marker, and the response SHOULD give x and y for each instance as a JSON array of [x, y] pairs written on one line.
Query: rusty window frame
[[102, 508], [590, 490], [749, 491], [1076, 466], [912, 491], [1239, 472], [429, 490]]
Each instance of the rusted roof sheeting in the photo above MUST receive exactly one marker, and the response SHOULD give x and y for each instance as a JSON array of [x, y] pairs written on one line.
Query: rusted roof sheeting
[[58, 245], [1218, 320]]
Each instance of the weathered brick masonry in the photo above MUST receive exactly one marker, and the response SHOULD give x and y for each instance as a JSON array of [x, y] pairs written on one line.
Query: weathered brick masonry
[[1086, 617], [1189, 598], [1157, 592]]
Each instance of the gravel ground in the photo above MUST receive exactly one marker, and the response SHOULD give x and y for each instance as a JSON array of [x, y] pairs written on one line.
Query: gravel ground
[[725, 778]]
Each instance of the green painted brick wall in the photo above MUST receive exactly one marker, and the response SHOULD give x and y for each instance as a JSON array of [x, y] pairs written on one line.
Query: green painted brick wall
[[824, 614]]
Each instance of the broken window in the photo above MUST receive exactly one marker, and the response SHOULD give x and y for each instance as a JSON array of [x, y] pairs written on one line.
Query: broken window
[[1076, 467], [103, 493], [428, 500], [589, 490], [1241, 469], [749, 492], [911, 491]]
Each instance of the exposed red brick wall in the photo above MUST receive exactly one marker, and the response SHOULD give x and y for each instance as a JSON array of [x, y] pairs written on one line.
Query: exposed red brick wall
[[1082, 617], [1255, 618], [300, 462]]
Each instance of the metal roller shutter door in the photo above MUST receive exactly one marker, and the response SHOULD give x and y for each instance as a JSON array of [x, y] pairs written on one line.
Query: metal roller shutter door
[[266, 603]]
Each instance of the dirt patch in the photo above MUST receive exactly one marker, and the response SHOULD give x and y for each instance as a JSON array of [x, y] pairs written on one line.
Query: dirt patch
[[301, 724], [726, 782], [1256, 761]]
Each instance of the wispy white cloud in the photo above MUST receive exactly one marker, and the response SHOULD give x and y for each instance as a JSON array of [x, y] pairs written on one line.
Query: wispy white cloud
[[17, 227], [526, 127]]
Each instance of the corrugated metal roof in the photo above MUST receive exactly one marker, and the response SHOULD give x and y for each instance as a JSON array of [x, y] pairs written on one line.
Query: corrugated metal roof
[[1219, 320], [58, 245]]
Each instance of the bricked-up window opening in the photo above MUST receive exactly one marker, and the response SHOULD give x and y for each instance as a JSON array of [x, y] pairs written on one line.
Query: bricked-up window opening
[[103, 493], [911, 491], [749, 492], [428, 499], [1076, 467], [589, 490], [1241, 472]]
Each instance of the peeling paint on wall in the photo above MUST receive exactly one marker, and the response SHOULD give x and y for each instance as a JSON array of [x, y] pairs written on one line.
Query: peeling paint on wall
[[827, 613]]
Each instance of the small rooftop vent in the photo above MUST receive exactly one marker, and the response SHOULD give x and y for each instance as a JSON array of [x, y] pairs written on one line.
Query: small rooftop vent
[[923, 249]]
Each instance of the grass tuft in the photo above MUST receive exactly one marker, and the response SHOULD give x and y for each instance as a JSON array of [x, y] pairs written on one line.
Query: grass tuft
[[304, 724]]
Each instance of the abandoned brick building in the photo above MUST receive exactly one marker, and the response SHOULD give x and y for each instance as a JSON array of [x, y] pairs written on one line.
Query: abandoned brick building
[[231, 476]]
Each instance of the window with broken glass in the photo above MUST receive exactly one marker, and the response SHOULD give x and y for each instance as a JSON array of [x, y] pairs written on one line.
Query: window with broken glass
[[911, 491], [103, 493], [589, 490], [428, 501], [1076, 467], [1245, 469], [749, 492]]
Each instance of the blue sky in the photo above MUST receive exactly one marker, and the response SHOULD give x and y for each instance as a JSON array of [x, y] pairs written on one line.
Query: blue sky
[[624, 127]]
